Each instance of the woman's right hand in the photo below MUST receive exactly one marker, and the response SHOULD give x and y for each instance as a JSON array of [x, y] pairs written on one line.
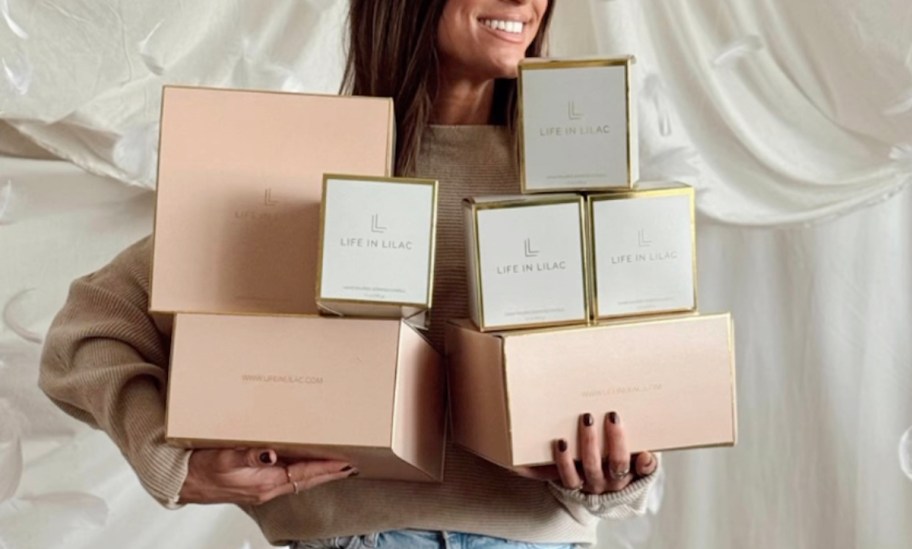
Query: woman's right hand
[[253, 476]]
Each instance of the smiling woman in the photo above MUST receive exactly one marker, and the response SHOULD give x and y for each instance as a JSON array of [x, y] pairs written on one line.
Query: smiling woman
[[481, 43], [486, 39], [450, 66], [460, 70]]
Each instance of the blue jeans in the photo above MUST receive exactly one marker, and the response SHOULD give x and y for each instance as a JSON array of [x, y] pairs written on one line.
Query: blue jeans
[[420, 539]]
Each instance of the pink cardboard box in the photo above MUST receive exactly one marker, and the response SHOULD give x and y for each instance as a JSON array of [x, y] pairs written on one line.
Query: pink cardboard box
[[366, 391], [240, 178], [671, 379]]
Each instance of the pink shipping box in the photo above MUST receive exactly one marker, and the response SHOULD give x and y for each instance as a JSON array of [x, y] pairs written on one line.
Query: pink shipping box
[[366, 391], [671, 379], [240, 177]]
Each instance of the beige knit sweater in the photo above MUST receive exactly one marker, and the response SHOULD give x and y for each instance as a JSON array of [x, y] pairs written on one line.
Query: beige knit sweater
[[106, 363]]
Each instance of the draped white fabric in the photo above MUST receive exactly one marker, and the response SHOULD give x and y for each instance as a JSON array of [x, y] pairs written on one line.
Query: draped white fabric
[[794, 119], [791, 111], [63, 485], [824, 392], [83, 79], [779, 111]]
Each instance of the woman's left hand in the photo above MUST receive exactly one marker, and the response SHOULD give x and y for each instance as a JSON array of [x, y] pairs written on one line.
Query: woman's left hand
[[597, 473]]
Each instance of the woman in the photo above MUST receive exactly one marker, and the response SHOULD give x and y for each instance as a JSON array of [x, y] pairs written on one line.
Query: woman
[[450, 65]]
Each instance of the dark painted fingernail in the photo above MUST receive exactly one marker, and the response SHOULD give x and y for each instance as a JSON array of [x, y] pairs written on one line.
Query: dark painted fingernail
[[346, 469], [266, 458], [588, 420], [562, 446], [614, 418]]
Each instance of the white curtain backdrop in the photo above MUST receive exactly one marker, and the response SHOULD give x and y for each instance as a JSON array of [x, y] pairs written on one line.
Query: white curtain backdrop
[[793, 119], [791, 111]]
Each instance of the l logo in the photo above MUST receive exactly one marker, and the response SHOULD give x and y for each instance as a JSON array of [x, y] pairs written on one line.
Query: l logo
[[267, 199], [375, 224], [642, 240], [527, 247], [572, 113]]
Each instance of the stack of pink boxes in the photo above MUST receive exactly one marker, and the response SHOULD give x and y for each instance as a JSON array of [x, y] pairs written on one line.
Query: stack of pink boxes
[[583, 288], [242, 176]]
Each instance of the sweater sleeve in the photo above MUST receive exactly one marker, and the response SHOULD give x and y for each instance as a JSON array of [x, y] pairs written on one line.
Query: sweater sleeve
[[106, 363], [629, 502]]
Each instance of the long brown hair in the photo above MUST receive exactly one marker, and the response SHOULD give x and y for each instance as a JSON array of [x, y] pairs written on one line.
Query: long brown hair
[[392, 52]]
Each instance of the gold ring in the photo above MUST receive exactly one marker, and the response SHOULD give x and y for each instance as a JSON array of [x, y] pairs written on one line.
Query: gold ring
[[619, 475], [294, 486], [288, 474]]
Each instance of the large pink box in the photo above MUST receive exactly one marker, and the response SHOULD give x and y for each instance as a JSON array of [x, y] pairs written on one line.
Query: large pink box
[[240, 178], [671, 379], [371, 392]]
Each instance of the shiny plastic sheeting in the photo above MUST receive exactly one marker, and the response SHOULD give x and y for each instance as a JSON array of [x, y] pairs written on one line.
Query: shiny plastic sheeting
[[83, 79], [6, 198], [779, 111], [63, 484], [905, 453], [793, 107]]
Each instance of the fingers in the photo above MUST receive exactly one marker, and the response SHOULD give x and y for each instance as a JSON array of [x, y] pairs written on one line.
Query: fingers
[[305, 475], [591, 455], [618, 457], [304, 470], [253, 476], [646, 464], [239, 458], [261, 458], [566, 467], [602, 472], [321, 475]]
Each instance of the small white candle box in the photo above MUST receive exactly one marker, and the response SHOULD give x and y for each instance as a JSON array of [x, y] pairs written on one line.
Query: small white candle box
[[643, 248], [377, 242], [578, 125], [526, 261]]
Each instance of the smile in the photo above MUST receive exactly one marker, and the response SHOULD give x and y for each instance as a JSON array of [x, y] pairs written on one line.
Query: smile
[[512, 27]]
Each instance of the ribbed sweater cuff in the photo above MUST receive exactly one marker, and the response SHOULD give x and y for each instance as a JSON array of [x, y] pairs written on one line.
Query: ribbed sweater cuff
[[165, 469], [631, 501]]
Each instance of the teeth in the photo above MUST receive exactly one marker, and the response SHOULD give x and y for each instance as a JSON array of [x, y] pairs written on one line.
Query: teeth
[[513, 27]]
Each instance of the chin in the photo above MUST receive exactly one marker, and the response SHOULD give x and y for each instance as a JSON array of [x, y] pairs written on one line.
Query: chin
[[506, 68], [506, 74]]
